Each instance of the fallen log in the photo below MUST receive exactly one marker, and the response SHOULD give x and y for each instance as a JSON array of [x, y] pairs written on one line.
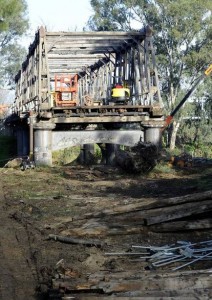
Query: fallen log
[[182, 225], [70, 240]]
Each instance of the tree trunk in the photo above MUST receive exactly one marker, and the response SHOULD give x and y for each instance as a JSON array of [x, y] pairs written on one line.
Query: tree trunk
[[175, 127]]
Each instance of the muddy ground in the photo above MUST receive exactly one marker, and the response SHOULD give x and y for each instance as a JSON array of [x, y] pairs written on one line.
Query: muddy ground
[[37, 203]]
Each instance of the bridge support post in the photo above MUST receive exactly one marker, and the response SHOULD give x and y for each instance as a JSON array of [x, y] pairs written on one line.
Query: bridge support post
[[22, 141], [111, 153], [152, 135], [86, 151], [43, 143]]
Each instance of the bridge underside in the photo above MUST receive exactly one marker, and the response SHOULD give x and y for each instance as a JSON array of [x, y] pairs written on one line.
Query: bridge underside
[[69, 127], [61, 139]]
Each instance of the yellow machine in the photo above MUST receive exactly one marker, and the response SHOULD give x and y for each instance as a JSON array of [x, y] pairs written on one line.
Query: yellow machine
[[120, 93]]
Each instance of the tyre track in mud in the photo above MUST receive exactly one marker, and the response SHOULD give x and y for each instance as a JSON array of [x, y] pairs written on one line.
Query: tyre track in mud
[[17, 281]]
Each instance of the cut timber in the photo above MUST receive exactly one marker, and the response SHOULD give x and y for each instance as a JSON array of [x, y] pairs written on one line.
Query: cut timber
[[188, 198], [182, 225], [159, 296], [95, 229], [160, 215], [122, 208], [141, 283], [146, 204]]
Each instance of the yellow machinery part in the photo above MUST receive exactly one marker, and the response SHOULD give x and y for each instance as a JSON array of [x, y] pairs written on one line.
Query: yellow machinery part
[[120, 92]]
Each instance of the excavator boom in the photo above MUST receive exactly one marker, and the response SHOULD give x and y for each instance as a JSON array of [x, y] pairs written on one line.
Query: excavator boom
[[168, 119]]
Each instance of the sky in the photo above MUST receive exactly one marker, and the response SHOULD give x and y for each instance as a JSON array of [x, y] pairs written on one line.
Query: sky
[[57, 15]]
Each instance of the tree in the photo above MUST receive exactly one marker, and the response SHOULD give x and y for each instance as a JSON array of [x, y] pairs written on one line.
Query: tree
[[13, 24], [183, 31]]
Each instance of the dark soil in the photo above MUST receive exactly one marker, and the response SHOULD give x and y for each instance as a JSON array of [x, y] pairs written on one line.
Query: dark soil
[[36, 203]]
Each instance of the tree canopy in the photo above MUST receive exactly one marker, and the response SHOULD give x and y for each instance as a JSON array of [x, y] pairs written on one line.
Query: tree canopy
[[182, 37], [13, 24]]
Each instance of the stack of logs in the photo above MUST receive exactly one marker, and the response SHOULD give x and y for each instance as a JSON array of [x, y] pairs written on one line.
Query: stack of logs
[[190, 212], [140, 285]]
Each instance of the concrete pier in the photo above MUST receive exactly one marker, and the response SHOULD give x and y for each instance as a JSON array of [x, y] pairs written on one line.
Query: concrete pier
[[111, 153], [43, 143], [86, 153], [153, 135]]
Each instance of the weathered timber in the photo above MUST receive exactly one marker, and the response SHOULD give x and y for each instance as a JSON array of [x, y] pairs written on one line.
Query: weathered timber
[[182, 225], [98, 228], [165, 214], [146, 204], [122, 208], [121, 283], [158, 296], [70, 240], [142, 274], [188, 198]]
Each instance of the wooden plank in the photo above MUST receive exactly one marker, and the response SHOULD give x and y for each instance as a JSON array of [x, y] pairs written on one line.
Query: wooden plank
[[182, 283], [147, 204], [182, 225], [176, 283], [177, 212], [160, 296]]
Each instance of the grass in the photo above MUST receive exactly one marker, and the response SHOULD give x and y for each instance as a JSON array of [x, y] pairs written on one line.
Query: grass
[[66, 156]]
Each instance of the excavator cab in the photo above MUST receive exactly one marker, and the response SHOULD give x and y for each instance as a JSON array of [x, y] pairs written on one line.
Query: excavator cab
[[120, 94]]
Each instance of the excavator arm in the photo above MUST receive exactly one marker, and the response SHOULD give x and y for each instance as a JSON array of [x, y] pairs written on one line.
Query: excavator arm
[[168, 119]]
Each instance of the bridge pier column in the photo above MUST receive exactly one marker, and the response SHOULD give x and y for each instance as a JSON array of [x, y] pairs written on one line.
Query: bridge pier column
[[110, 153], [153, 135], [86, 151], [43, 143], [22, 141]]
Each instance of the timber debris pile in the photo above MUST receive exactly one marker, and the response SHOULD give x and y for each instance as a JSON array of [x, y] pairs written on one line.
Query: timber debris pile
[[134, 285], [186, 160], [141, 158], [163, 270]]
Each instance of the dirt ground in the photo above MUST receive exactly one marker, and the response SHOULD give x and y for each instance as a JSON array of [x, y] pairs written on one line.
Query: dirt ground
[[37, 203]]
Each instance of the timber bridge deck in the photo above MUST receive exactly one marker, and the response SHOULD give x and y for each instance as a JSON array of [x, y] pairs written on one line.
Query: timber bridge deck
[[71, 80]]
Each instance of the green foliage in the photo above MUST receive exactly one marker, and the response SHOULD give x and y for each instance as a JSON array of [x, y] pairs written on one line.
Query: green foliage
[[13, 24], [162, 168], [65, 156]]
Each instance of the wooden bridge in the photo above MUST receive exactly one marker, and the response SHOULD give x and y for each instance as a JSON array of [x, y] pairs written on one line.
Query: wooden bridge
[[70, 80]]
